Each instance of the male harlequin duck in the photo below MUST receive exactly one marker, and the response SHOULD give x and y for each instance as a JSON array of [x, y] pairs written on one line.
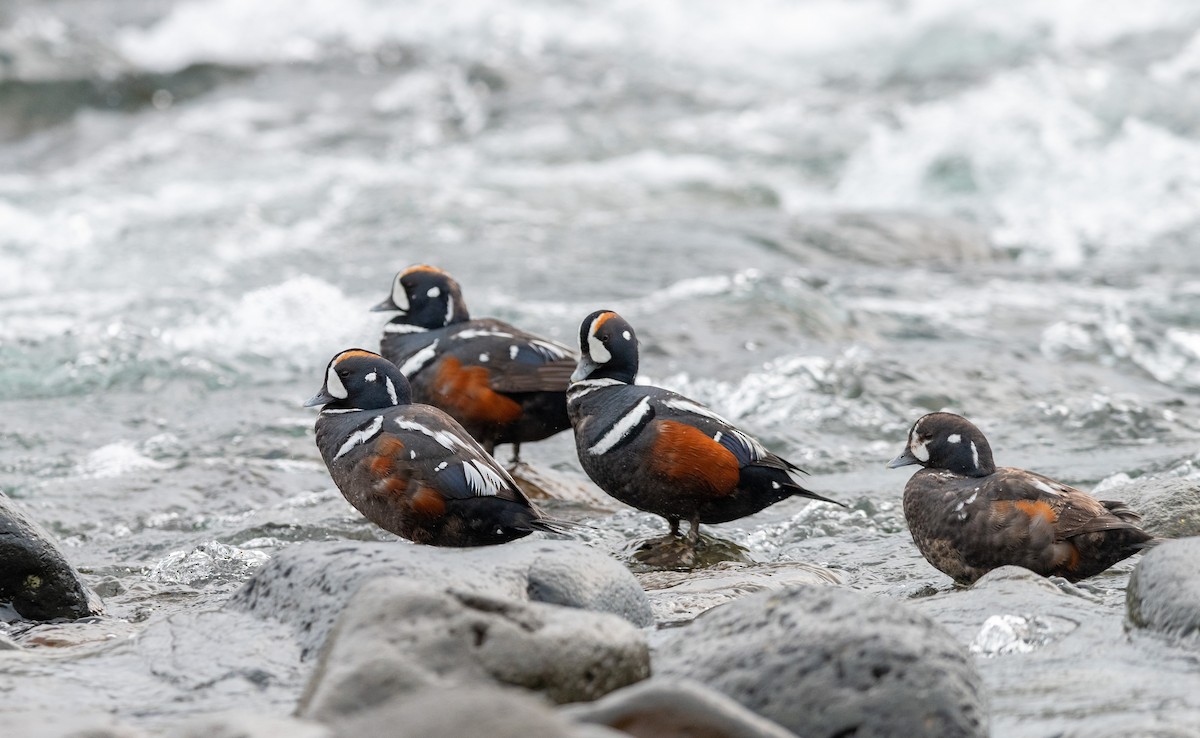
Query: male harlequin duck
[[968, 517], [659, 451], [410, 468], [504, 385]]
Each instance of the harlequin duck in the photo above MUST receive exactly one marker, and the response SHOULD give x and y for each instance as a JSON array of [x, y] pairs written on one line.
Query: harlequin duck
[[410, 468], [504, 385], [659, 451], [968, 517]]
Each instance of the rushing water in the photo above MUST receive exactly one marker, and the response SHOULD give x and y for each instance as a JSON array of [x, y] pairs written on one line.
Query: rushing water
[[824, 218]]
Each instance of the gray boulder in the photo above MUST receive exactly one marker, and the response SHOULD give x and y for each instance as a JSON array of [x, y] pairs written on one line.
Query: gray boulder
[[396, 636], [1164, 590], [823, 661], [482, 711], [36, 578], [307, 585], [1169, 507], [675, 708]]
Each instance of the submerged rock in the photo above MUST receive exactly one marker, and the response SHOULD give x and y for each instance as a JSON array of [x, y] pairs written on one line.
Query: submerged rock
[[396, 636], [891, 237], [823, 661], [675, 708], [485, 711], [1164, 590], [682, 595], [308, 585], [36, 577]]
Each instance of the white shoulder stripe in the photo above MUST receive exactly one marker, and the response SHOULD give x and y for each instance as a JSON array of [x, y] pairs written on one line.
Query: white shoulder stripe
[[417, 361], [360, 436], [688, 406], [622, 427], [443, 439]]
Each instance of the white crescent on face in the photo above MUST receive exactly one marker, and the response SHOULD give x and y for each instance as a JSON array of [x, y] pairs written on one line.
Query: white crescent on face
[[400, 295], [920, 451], [333, 384], [596, 347]]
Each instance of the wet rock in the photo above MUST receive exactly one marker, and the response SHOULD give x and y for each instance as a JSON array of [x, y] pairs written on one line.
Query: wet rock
[[675, 708], [491, 711], [682, 595], [397, 636], [307, 585], [1169, 507], [823, 661], [7, 644], [893, 237], [249, 725], [675, 552], [1164, 590], [541, 483], [36, 578]]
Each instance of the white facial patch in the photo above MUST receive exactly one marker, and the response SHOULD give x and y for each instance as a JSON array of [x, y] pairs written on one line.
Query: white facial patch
[[954, 438], [333, 384], [400, 296], [920, 451], [596, 348], [391, 390], [433, 292]]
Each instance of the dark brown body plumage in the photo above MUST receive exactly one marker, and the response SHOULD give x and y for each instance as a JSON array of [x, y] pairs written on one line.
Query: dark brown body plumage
[[968, 517]]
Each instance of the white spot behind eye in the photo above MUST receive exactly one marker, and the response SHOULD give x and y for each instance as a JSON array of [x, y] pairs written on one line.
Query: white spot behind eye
[[334, 386], [372, 377], [954, 438], [627, 336], [400, 296], [433, 292], [485, 358]]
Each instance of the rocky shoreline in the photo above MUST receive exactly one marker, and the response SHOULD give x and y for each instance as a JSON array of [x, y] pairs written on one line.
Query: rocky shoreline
[[554, 638]]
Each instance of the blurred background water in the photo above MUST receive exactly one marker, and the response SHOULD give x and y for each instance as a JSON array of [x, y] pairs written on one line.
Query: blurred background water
[[824, 217]]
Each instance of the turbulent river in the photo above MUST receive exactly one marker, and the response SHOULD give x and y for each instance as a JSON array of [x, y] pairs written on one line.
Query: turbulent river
[[824, 218]]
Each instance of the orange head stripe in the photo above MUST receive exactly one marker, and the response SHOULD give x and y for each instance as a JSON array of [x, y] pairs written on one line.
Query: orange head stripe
[[467, 391], [355, 352], [428, 502], [604, 318], [422, 268], [1037, 509], [686, 454]]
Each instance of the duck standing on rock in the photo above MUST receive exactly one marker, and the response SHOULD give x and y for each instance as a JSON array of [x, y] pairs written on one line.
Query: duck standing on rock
[[502, 384], [968, 517], [661, 452], [410, 468]]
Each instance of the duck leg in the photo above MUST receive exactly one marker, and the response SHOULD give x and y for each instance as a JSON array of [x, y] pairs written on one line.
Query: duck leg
[[674, 526], [694, 530]]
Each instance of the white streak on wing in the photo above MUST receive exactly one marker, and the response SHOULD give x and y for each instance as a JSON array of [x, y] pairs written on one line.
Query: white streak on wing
[[417, 361], [621, 428], [482, 333], [445, 440], [360, 436], [1045, 487], [549, 349], [757, 450], [403, 328], [391, 390], [441, 466], [513, 351], [688, 406], [482, 479]]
